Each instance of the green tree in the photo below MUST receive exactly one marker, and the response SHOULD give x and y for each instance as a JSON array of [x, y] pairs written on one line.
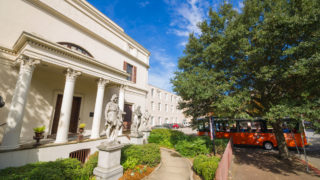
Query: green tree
[[262, 62]]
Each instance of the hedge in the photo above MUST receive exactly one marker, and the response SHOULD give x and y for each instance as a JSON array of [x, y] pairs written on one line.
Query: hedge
[[206, 166], [165, 137], [186, 145], [147, 154], [60, 169]]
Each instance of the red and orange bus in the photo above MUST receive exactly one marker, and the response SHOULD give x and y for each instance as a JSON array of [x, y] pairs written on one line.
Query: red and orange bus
[[252, 132]]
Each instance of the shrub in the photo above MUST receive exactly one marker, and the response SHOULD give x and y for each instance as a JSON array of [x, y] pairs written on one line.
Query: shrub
[[193, 146], [59, 169], [166, 137], [221, 145], [87, 170], [130, 163], [206, 166], [147, 154], [69, 168]]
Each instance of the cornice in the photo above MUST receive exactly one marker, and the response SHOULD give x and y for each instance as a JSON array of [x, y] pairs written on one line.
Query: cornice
[[27, 37], [104, 24], [92, 10]]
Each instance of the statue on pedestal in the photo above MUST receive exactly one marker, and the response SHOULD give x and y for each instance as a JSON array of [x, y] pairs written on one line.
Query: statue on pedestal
[[145, 121], [113, 117], [136, 121]]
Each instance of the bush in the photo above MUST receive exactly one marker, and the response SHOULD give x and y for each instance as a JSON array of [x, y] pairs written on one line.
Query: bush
[[59, 169], [206, 166], [221, 145], [87, 170], [166, 137], [193, 146], [186, 145], [69, 168], [147, 154]]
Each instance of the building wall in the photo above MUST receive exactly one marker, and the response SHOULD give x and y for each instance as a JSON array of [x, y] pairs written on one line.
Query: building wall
[[65, 21], [171, 114], [71, 25]]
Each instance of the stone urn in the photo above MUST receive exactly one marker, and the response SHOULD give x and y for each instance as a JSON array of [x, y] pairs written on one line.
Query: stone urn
[[38, 131], [81, 130]]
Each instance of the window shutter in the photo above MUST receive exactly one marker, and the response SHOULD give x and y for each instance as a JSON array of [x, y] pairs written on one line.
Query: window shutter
[[134, 74], [124, 65]]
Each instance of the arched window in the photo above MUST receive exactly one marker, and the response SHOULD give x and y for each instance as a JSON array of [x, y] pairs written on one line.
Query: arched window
[[75, 48]]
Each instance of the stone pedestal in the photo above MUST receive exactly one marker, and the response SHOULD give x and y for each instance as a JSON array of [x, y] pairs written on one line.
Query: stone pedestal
[[146, 134], [109, 167], [136, 138]]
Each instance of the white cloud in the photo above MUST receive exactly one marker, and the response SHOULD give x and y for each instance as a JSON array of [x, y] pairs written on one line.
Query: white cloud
[[144, 4], [186, 16], [161, 74], [241, 5]]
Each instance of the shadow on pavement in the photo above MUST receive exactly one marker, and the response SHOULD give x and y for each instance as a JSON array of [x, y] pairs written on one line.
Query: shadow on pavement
[[268, 161]]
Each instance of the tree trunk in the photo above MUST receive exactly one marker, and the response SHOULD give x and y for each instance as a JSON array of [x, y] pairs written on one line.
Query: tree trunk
[[282, 145]]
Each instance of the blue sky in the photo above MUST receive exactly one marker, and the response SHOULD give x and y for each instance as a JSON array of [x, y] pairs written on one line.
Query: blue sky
[[161, 26]]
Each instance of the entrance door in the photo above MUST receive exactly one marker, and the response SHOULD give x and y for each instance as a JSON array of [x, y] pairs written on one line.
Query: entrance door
[[76, 102], [127, 117]]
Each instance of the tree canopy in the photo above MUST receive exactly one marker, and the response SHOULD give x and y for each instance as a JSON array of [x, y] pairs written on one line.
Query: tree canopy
[[262, 62]]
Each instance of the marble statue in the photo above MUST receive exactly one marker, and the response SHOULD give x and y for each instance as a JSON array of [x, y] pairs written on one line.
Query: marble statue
[[145, 126], [2, 103], [136, 121], [114, 119]]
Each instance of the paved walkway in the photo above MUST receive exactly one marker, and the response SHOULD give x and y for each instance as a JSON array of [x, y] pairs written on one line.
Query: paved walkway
[[257, 163], [173, 167]]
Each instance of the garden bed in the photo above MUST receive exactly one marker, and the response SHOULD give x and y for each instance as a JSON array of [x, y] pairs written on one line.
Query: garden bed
[[139, 161], [198, 149]]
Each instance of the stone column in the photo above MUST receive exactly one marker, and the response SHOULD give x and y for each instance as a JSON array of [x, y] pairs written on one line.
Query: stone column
[[98, 109], [121, 97], [19, 99], [121, 103], [65, 113]]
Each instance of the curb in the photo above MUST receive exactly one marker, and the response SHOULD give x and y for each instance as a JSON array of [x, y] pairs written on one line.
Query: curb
[[314, 169], [190, 163]]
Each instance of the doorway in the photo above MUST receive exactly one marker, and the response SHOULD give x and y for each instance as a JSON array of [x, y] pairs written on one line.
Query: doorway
[[127, 118], [74, 118]]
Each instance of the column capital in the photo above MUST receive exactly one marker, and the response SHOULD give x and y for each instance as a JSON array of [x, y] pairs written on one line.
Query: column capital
[[123, 86], [71, 74], [27, 64], [102, 82]]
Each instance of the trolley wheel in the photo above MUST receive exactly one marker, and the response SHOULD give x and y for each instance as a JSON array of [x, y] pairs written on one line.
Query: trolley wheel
[[268, 145]]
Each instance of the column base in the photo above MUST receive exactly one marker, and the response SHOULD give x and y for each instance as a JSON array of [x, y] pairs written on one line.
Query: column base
[[60, 141], [94, 137]]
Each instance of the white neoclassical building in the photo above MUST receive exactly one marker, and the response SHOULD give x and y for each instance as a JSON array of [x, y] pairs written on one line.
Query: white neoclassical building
[[60, 63], [163, 107]]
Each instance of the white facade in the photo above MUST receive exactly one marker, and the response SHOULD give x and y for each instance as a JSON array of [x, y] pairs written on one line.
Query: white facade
[[64, 48], [163, 107]]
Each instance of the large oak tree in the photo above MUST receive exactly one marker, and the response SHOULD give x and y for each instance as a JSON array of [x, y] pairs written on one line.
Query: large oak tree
[[262, 62]]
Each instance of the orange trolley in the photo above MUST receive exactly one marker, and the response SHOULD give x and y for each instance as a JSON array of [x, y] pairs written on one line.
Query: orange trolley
[[252, 132]]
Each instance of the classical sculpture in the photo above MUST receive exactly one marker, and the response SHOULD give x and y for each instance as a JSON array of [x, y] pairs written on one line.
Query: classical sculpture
[[136, 121], [113, 117], [145, 121], [2, 103]]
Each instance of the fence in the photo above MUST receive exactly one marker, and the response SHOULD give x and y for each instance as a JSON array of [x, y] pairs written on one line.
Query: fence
[[224, 165]]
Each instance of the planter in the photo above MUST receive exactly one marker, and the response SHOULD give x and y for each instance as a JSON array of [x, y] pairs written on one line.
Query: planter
[[38, 136], [80, 135]]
